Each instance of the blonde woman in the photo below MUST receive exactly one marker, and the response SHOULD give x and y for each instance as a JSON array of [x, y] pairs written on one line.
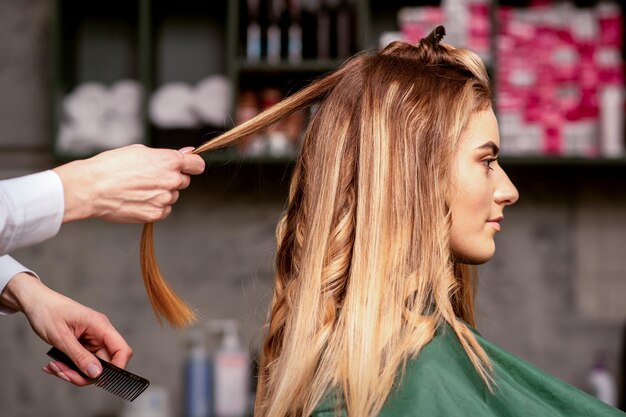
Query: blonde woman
[[396, 193]]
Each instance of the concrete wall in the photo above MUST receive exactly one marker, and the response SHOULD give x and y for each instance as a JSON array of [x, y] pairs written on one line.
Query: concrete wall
[[553, 294], [539, 297]]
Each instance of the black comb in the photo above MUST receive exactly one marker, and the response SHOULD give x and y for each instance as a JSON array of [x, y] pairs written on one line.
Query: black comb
[[116, 380]]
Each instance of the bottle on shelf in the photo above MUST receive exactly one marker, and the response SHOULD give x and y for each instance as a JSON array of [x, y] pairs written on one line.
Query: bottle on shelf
[[612, 99], [198, 377], [231, 371], [274, 35], [602, 382], [247, 108], [294, 36], [253, 32]]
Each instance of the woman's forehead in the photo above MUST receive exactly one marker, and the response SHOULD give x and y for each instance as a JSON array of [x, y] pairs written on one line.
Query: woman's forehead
[[482, 128]]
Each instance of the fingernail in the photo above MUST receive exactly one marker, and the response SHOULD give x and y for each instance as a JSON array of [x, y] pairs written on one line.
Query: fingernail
[[47, 370], [63, 376], [54, 368], [186, 149], [93, 371]]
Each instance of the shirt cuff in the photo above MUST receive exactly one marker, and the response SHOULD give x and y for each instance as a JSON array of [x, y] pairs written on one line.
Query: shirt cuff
[[36, 205], [9, 268]]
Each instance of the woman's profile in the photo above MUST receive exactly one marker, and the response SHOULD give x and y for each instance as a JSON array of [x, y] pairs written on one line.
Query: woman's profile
[[396, 194]]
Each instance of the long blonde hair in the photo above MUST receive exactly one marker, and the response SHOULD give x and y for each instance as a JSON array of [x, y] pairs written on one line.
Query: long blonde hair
[[364, 271]]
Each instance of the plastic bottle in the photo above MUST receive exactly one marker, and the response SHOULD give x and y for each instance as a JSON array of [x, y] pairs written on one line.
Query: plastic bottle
[[294, 33], [612, 99], [198, 375], [274, 35], [230, 372], [603, 383], [154, 402], [253, 32]]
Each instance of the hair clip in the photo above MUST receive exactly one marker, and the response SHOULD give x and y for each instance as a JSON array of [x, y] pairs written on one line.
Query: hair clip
[[436, 35]]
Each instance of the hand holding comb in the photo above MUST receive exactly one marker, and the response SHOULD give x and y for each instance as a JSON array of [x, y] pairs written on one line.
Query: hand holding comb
[[116, 380]]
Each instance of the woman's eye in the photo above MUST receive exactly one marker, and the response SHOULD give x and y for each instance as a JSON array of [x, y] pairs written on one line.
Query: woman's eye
[[489, 161]]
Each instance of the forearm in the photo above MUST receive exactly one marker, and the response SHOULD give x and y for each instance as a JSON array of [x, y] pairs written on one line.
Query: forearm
[[10, 268], [19, 290]]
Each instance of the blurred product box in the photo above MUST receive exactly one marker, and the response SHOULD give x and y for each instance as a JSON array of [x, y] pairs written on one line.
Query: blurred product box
[[467, 23], [560, 80], [559, 71]]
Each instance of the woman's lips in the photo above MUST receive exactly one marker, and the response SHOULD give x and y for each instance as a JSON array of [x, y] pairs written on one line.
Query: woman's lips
[[495, 223]]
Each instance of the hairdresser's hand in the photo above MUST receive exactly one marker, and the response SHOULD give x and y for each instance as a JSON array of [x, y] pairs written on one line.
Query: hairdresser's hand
[[78, 331], [134, 184]]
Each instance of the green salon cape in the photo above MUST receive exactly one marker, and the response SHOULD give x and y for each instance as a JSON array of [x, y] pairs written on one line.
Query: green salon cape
[[441, 381]]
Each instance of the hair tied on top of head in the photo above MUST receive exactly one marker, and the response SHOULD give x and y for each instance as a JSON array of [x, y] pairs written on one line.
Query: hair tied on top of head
[[436, 35]]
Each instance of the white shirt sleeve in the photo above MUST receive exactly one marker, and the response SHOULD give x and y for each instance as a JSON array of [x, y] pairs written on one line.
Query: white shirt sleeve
[[9, 267], [31, 210]]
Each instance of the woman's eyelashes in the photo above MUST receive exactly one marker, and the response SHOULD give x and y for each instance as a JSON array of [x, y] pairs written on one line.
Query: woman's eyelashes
[[488, 161]]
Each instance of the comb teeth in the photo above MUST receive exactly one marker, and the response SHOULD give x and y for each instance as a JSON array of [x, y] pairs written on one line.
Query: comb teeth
[[117, 381], [123, 384]]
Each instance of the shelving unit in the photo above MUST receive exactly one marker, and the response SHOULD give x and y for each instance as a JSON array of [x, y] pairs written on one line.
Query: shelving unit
[[188, 43], [562, 161], [317, 66], [92, 42], [162, 41], [150, 41]]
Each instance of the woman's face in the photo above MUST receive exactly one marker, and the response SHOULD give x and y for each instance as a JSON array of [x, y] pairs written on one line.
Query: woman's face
[[480, 191]]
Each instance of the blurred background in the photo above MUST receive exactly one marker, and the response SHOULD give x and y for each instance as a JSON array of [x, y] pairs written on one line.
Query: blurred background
[[79, 77]]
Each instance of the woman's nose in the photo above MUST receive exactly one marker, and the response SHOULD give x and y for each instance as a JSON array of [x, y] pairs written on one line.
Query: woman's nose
[[506, 193]]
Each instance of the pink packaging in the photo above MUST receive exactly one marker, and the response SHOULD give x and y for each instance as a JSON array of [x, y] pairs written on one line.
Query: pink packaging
[[552, 140], [609, 65], [565, 59], [550, 71], [611, 24], [417, 22]]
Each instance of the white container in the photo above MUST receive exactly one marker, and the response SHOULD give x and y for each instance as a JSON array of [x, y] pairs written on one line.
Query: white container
[[231, 373], [603, 384], [612, 121], [154, 402]]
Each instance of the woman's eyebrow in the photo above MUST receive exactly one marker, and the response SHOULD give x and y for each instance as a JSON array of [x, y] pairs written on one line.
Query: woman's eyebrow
[[490, 145]]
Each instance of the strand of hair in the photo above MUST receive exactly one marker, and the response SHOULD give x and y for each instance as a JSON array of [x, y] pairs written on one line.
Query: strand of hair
[[165, 302]]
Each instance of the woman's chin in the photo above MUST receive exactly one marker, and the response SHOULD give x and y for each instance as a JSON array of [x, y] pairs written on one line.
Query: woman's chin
[[477, 255]]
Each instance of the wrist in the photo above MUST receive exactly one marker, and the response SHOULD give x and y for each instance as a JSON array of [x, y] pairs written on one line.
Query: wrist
[[19, 290], [77, 190]]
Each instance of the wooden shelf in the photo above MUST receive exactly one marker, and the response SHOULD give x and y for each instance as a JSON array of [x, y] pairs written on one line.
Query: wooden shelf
[[305, 66], [561, 161]]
